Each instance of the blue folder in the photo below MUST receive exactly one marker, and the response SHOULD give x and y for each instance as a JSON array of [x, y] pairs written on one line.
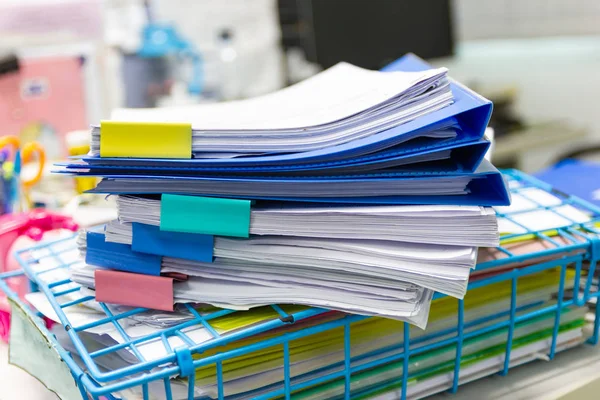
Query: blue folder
[[577, 177], [486, 187], [119, 256], [468, 115], [463, 157]]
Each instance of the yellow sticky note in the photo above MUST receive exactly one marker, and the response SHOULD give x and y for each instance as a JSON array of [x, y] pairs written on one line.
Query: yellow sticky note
[[145, 140]]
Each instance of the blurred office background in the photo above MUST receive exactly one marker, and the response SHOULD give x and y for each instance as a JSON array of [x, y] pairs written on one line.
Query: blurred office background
[[65, 64]]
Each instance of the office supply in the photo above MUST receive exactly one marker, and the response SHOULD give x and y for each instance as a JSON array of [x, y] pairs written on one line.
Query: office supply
[[226, 217], [118, 256], [449, 224], [562, 177], [136, 290], [19, 197], [151, 240], [145, 140], [484, 187]]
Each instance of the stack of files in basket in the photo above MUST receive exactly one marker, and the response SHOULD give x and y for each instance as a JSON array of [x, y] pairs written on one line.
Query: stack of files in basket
[[242, 214], [317, 355]]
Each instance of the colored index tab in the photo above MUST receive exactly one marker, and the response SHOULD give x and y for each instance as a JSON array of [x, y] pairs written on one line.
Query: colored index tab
[[119, 256], [207, 215], [134, 290], [145, 140], [189, 246]]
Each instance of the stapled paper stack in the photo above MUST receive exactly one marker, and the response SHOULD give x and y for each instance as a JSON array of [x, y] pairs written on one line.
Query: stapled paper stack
[[355, 190]]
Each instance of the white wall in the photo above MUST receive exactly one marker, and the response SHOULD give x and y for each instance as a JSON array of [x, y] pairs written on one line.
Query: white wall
[[556, 78]]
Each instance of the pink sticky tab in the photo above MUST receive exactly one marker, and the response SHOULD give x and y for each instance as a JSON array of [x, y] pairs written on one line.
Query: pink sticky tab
[[135, 290]]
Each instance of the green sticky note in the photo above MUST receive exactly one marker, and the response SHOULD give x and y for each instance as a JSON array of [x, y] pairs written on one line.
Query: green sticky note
[[206, 215]]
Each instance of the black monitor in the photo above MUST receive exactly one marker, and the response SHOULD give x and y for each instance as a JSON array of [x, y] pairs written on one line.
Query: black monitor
[[367, 33]]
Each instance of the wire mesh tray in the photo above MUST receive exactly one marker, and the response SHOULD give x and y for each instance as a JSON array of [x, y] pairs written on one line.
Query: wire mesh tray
[[573, 247]]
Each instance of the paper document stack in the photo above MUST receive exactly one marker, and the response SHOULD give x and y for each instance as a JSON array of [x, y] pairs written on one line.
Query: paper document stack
[[357, 191]]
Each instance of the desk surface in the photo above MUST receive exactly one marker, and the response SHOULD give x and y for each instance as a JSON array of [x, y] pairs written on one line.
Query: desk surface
[[18, 384]]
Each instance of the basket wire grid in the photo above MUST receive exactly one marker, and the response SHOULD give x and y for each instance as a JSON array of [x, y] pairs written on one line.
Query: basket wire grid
[[574, 247]]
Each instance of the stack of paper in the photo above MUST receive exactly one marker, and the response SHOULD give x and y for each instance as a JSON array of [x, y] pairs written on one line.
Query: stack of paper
[[358, 191], [437, 267], [435, 224], [345, 136], [339, 105]]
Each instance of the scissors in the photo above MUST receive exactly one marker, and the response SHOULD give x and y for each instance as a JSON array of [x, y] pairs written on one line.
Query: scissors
[[12, 169]]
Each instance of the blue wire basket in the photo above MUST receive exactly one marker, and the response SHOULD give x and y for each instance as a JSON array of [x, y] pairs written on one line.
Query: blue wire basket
[[574, 247]]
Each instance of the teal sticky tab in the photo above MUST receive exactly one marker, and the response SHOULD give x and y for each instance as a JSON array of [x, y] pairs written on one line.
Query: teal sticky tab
[[206, 215]]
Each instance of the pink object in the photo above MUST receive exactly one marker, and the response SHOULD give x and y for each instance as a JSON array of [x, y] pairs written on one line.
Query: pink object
[[18, 231], [134, 290], [4, 325], [34, 100], [76, 18]]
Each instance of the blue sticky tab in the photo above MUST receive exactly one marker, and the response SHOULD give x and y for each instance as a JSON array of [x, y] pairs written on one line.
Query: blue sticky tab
[[190, 246], [119, 256]]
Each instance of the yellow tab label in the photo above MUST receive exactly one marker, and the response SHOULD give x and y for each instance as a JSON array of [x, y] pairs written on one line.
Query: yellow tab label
[[145, 140]]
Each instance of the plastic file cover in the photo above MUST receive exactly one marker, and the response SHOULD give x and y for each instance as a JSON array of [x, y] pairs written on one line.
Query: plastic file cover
[[433, 224], [119, 257], [458, 126], [441, 154], [484, 187], [150, 239]]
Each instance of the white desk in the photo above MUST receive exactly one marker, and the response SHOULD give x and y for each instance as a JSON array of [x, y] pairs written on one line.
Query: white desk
[[18, 384], [539, 380]]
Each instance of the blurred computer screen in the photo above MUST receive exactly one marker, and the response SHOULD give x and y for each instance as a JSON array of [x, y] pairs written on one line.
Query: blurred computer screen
[[367, 33]]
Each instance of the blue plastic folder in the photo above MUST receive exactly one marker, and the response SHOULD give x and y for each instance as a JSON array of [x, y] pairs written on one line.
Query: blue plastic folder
[[119, 256], [467, 116], [577, 177], [463, 156], [486, 187], [150, 239]]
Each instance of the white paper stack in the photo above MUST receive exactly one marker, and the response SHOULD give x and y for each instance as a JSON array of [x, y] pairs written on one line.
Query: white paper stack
[[320, 112], [432, 224], [271, 258], [240, 284]]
